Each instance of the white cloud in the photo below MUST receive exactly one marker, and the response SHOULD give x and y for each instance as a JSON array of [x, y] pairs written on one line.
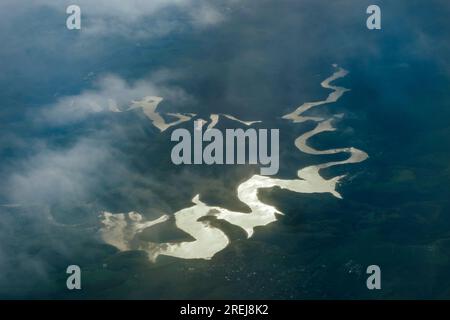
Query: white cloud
[[131, 18], [55, 174], [206, 15], [109, 89]]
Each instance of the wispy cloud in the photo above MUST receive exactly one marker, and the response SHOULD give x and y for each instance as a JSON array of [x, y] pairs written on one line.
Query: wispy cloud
[[133, 18], [108, 92]]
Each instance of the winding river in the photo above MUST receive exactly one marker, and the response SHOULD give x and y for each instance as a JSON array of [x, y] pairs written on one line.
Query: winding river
[[120, 230]]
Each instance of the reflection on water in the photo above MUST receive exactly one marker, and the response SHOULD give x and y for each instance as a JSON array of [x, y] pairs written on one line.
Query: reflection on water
[[120, 230], [149, 104]]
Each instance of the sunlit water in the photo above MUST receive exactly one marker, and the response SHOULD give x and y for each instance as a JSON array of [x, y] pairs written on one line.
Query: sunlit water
[[120, 230]]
